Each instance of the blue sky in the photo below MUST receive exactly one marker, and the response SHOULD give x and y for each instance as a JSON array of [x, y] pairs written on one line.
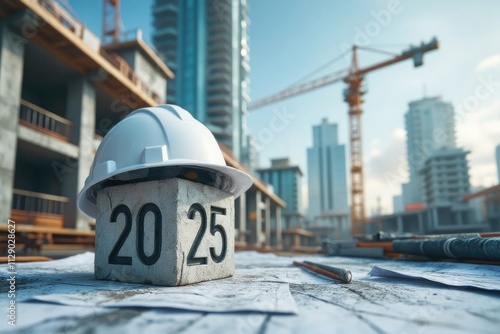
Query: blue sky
[[291, 38]]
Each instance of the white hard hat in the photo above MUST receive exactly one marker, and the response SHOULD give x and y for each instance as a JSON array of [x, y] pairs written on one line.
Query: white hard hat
[[157, 143]]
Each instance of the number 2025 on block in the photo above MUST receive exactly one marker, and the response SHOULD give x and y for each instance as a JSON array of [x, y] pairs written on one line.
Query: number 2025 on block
[[168, 232]]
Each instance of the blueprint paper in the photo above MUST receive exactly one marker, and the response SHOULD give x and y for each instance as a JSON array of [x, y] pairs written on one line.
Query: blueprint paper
[[480, 276], [71, 282]]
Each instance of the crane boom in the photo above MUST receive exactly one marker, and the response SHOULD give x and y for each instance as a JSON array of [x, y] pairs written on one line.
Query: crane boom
[[300, 89], [342, 75], [353, 96], [415, 52]]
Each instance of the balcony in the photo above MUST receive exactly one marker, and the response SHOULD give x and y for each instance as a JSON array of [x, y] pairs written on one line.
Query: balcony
[[166, 31], [219, 99], [215, 67], [216, 110], [38, 209], [216, 57], [129, 73], [218, 22], [164, 20], [220, 120], [218, 77], [165, 8], [219, 87], [219, 47], [44, 121], [220, 37]]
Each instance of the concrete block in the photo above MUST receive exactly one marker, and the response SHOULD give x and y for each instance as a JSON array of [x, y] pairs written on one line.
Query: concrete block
[[168, 232]]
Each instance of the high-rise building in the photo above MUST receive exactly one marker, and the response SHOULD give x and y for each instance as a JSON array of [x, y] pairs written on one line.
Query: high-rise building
[[445, 177], [327, 179], [497, 156], [205, 43], [430, 126], [287, 184], [445, 182]]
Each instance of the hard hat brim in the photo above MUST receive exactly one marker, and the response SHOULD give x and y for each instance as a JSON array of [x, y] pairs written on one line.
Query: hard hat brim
[[240, 181]]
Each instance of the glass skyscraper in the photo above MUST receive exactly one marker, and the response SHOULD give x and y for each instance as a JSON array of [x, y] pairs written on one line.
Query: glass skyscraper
[[205, 43], [327, 179]]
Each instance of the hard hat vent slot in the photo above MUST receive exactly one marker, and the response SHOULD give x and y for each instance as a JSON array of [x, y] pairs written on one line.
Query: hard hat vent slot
[[154, 154]]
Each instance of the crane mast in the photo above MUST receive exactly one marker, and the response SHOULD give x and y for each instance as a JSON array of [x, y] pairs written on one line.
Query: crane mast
[[353, 96], [111, 21]]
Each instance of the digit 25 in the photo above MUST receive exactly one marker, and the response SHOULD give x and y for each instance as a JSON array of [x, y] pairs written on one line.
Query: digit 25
[[194, 210]]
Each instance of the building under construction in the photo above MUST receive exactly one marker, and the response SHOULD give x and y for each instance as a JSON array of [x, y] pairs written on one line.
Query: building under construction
[[61, 90]]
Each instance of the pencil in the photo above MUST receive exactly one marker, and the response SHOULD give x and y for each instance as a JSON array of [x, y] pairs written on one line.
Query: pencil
[[342, 275]]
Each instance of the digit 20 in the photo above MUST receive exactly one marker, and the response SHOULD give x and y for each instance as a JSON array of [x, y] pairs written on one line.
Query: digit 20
[[114, 258]]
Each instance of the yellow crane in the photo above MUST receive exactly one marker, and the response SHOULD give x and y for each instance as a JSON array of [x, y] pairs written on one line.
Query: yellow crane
[[353, 77]]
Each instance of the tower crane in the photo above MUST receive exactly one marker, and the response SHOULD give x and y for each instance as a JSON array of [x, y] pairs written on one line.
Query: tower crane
[[111, 21], [353, 77]]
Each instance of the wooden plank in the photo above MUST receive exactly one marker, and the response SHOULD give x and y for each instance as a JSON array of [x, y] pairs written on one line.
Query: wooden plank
[[5, 259], [78, 240], [306, 249], [37, 219], [66, 247], [386, 245], [40, 229], [299, 231], [41, 195]]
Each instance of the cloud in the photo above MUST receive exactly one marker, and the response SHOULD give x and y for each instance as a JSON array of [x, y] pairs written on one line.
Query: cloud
[[492, 61], [479, 132], [399, 134], [386, 170]]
